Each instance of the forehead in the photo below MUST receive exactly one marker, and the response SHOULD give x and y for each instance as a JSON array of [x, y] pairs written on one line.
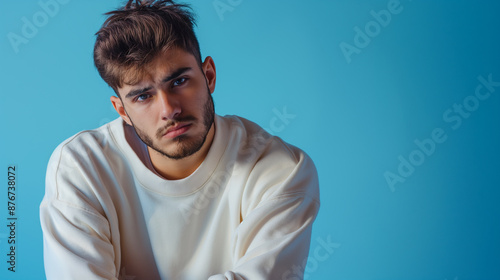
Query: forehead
[[160, 66]]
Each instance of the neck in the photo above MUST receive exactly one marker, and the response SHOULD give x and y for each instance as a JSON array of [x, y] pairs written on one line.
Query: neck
[[175, 169]]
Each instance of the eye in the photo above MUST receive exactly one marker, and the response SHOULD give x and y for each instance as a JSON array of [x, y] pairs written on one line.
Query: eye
[[143, 97], [179, 82]]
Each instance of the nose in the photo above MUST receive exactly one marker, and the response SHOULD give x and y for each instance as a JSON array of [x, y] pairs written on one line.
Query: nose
[[169, 106]]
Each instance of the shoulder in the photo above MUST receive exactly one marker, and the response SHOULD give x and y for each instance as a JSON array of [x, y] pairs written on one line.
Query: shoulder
[[275, 168], [85, 143], [79, 163], [259, 146]]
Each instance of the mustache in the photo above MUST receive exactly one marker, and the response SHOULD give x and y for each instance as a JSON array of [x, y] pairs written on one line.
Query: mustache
[[173, 122]]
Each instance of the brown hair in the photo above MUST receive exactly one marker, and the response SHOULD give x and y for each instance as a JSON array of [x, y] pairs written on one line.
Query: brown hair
[[135, 34]]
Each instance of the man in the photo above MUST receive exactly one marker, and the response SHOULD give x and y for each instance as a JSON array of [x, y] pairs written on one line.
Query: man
[[170, 190]]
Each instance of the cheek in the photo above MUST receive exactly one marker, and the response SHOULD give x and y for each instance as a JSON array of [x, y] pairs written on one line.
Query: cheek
[[143, 120], [148, 130]]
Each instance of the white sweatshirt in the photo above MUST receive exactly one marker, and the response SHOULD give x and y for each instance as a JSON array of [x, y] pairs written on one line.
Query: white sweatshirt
[[245, 213]]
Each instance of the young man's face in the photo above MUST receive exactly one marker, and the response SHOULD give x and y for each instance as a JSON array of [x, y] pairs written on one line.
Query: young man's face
[[171, 107]]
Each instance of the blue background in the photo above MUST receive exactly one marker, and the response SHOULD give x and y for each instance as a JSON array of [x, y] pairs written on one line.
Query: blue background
[[357, 116]]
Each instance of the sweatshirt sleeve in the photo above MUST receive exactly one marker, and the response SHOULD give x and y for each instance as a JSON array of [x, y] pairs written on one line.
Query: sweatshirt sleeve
[[274, 235], [76, 234]]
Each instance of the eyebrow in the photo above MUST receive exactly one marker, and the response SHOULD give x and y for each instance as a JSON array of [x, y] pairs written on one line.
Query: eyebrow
[[136, 92], [176, 74], [172, 76]]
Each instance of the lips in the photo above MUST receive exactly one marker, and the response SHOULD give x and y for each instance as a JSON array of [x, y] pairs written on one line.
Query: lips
[[176, 130]]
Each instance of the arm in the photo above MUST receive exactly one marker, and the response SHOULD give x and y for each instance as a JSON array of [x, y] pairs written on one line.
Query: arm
[[76, 243], [77, 236], [274, 235]]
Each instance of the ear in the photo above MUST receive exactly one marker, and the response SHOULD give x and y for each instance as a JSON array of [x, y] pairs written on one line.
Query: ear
[[117, 103], [208, 67]]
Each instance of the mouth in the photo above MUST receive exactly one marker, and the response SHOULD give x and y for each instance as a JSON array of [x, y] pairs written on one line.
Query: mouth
[[177, 130]]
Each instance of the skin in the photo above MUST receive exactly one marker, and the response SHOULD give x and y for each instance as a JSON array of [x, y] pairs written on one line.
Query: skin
[[174, 95]]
